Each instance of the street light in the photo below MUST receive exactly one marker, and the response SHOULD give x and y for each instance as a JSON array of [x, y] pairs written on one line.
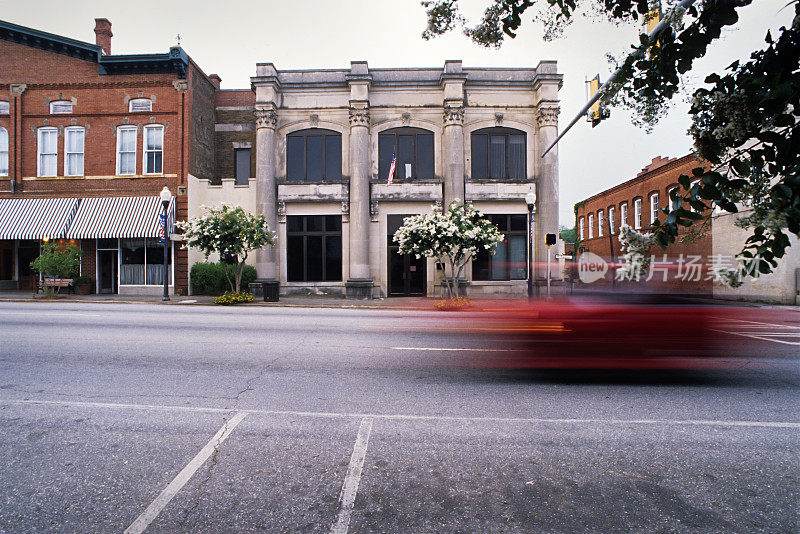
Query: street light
[[530, 200], [166, 197]]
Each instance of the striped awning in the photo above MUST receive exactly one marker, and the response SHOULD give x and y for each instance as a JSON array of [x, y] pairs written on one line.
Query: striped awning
[[119, 217], [36, 218]]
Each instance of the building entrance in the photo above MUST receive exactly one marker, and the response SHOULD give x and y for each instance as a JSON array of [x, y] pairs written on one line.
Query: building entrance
[[407, 275], [107, 271]]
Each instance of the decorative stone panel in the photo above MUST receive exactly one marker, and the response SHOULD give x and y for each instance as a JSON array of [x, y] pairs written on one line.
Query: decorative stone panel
[[313, 192]]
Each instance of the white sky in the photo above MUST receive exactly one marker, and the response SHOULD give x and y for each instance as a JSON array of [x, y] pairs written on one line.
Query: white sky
[[230, 38]]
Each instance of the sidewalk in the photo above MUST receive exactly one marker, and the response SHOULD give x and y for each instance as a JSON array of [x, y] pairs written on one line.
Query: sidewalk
[[301, 301]]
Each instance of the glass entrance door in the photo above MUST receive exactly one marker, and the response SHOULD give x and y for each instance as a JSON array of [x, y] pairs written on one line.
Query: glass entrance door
[[107, 271], [407, 274]]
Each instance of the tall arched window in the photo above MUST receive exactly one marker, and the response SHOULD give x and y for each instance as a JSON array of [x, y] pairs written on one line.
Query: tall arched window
[[412, 149], [3, 152], [314, 155], [498, 153]]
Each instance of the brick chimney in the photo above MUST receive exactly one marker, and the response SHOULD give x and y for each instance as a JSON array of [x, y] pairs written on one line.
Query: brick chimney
[[102, 32], [216, 80]]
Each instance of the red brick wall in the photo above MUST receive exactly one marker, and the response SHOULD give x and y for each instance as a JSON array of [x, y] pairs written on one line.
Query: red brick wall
[[659, 176], [101, 105]]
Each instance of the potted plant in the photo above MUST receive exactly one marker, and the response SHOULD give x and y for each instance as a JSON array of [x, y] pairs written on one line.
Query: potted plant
[[83, 284]]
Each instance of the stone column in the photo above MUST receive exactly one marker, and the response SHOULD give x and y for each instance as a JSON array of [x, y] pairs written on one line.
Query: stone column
[[359, 285], [453, 140], [546, 216], [266, 188]]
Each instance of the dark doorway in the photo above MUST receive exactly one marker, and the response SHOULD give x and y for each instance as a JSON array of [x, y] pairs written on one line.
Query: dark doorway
[[407, 274], [27, 251], [107, 271]]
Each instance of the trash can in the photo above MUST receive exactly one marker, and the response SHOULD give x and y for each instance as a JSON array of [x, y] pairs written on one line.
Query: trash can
[[271, 290]]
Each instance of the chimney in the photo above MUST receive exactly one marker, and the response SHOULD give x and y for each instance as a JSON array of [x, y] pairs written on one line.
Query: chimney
[[102, 32], [216, 80]]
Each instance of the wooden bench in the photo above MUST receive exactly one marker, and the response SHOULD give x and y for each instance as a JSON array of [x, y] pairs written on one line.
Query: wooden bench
[[56, 282]]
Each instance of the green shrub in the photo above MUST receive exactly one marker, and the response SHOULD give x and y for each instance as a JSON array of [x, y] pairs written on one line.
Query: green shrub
[[209, 278]]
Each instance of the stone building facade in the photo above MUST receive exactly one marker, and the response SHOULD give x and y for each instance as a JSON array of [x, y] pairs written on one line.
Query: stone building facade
[[312, 151], [88, 139]]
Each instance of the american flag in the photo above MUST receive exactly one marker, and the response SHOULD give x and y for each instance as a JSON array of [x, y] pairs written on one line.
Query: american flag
[[161, 227], [391, 169]]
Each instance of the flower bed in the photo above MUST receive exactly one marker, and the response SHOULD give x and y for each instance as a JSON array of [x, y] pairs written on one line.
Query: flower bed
[[229, 298], [454, 304]]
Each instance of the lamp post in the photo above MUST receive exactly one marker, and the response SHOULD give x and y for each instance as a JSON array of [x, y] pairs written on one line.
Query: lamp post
[[166, 197], [530, 200]]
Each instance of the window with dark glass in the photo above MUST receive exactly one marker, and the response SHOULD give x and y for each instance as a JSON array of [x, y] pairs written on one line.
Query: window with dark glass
[[242, 156], [498, 153], [509, 261], [413, 150], [313, 248], [314, 156]]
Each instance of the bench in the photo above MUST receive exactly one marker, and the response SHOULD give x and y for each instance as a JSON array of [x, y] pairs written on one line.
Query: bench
[[56, 282]]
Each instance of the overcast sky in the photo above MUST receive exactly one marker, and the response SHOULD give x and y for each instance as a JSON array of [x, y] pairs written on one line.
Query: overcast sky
[[229, 38]]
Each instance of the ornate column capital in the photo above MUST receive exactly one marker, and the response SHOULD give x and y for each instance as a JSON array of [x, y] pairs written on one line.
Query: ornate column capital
[[17, 89], [359, 116], [453, 115], [548, 116], [266, 118], [180, 85]]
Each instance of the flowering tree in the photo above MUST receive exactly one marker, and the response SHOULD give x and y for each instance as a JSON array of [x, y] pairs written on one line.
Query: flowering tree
[[635, 247], [231, 232], [452, 238], [58, 260], [745, 120]]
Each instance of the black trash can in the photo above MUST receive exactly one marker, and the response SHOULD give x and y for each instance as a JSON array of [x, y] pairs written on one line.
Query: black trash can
[[271, 290]]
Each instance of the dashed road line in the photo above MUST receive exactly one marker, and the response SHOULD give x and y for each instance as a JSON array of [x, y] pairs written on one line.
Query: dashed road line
[[350, 487], [412, 417], [152, 511]]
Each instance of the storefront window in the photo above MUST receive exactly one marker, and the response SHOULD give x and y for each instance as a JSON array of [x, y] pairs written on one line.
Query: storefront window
[[143, 262], [509, 260]]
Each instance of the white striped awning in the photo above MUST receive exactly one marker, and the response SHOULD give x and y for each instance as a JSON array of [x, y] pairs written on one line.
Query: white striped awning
[[119, 217], [36, 218]]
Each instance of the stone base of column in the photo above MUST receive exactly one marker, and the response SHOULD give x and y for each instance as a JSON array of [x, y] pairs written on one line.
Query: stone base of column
[[358, 288], [268, 289]]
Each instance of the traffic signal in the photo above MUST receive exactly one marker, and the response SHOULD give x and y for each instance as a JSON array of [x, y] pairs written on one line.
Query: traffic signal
[[598, 111], [651, 20]]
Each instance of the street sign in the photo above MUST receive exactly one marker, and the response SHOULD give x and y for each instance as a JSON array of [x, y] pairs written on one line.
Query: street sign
[[563, 256]]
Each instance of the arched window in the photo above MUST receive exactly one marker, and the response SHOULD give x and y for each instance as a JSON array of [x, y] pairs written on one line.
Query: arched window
[[136, 105], [61, 106], [314, 155], [412, 149], [3, 152], [498, 153]]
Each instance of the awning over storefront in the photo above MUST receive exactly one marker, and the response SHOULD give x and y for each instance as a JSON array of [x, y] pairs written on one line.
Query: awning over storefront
[[123, 217], [36, 218]]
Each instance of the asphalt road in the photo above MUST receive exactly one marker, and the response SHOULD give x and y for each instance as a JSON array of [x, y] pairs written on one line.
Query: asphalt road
[[204, 419]]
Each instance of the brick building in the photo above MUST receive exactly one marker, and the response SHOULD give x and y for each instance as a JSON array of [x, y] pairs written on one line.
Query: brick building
[[689, 265], [87, 141], [637, 203]]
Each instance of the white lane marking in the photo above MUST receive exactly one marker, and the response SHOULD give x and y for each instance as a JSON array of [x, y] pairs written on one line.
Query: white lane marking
[[446, 349], [152, 511], [411, 417], [754, 336], [350, 487]]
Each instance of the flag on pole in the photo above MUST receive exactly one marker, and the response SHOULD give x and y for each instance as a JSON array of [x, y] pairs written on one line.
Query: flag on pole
[[391, 168], [161, 227]]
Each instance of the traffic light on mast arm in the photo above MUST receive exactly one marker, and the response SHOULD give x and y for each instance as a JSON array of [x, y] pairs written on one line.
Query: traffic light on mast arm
[[598, 111]]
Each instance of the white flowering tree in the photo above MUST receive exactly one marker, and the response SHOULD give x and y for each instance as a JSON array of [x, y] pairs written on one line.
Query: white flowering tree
[[231, 232], [451, 238], [635, 247]]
